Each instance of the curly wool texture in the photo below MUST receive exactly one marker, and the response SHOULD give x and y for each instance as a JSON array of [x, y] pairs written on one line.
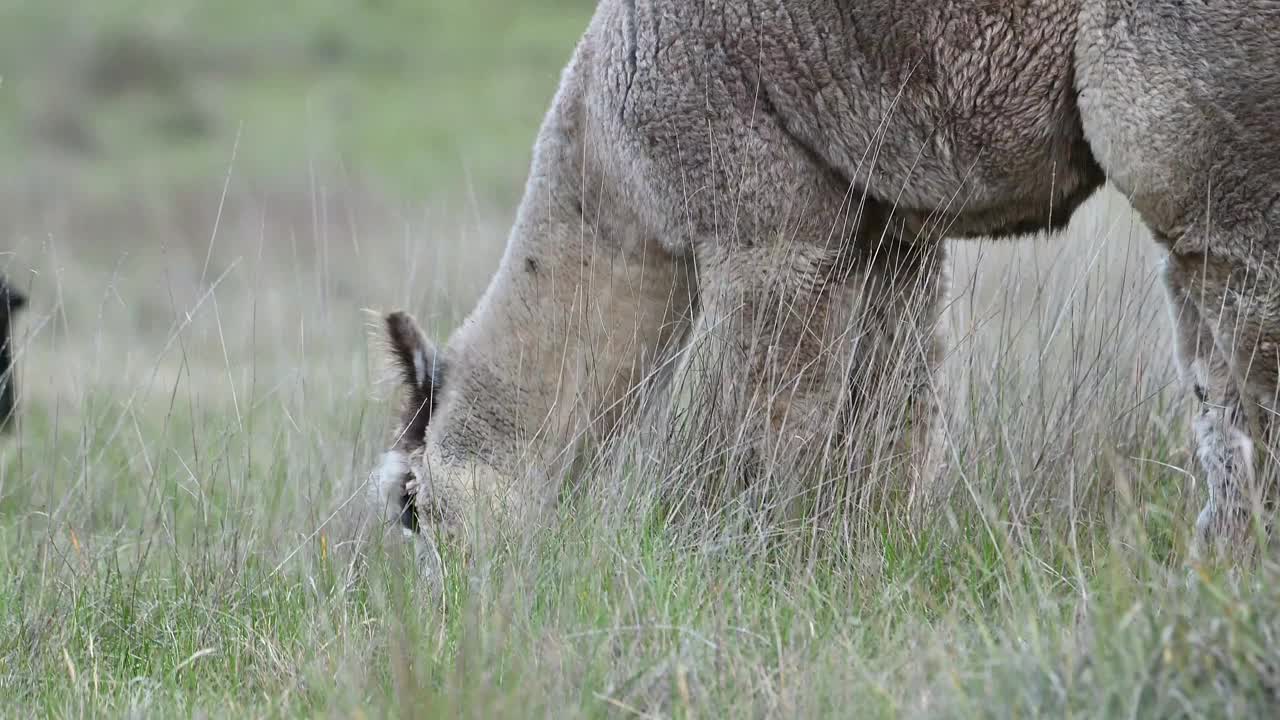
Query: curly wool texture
[[757, 193]]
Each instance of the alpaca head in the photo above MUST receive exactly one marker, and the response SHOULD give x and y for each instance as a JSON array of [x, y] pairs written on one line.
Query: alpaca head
[[418, 366]]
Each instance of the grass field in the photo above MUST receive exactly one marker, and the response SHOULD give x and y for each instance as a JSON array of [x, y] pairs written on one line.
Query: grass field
[[203, 199]]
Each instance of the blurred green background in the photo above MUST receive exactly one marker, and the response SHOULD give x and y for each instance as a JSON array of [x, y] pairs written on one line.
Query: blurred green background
[[319, 154], [220, 191], [404, 99]]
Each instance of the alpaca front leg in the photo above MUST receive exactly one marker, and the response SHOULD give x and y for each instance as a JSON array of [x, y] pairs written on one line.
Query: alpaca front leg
[[818, 368], [1226, 453], [1224, 356]]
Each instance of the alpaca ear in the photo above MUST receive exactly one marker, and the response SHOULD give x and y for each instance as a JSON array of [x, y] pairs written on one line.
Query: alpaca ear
[[420, 371]]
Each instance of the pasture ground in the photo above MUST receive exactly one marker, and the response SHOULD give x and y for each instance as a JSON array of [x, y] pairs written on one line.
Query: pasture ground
[[202, 199]]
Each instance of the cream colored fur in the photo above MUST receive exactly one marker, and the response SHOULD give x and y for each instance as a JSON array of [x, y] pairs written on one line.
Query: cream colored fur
[[759, 191]]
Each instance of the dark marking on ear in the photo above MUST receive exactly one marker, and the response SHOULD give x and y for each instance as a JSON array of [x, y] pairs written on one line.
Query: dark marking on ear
[[421, 373], [1201, 394], [10, 302], [531, 266]]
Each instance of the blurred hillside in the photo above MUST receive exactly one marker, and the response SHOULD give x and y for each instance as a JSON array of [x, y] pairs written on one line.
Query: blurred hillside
[[408, 101], [217, 189]]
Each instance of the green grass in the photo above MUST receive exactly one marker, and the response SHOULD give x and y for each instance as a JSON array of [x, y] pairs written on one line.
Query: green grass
[[416, 98], [193, 571], [174, 550]]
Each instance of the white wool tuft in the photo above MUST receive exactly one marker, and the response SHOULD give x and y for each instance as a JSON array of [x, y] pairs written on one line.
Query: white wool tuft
[[388, 481]]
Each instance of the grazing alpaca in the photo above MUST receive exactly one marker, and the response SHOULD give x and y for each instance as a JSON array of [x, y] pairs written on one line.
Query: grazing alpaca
[[767, 187], [10, 302]]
